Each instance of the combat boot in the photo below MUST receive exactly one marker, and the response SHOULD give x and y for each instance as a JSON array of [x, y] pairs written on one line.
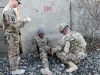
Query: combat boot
[[46, 71], [72, 68], [18, 71]]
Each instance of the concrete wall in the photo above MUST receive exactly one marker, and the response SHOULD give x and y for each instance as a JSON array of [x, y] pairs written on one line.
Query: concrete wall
[[48, 14], [3, 46]]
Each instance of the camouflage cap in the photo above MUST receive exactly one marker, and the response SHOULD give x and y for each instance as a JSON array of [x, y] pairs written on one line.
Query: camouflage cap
[[19, 1], [40, 31], [62, 26]]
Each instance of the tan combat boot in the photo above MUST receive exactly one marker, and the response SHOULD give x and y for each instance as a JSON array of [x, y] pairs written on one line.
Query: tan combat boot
[[46, 71], [18, 71], [72, 68]]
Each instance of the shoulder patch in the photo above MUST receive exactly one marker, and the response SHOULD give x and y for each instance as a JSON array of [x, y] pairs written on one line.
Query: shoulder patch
[[12, 16]]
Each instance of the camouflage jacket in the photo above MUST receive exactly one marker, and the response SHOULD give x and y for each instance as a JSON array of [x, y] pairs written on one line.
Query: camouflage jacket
[[77, 42], [40, 43], [10, 22]]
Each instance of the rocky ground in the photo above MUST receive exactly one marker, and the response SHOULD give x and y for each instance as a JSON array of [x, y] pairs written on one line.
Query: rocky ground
[[32, 65]]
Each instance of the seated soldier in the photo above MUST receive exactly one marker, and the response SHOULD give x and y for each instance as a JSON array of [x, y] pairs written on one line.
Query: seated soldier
[[41, 48], [71, 47]]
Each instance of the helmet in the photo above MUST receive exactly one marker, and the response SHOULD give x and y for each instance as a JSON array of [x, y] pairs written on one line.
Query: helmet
[[40, 31], [62, 26]]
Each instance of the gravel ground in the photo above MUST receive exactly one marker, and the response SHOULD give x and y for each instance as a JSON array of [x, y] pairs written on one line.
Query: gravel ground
[[32, 65]]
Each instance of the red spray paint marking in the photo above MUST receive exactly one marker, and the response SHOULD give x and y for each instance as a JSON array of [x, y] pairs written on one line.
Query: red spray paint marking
[[47, 8]]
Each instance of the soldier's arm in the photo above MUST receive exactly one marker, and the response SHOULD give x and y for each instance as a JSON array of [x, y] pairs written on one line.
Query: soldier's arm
[[18, 24], [6, 19], [48, 44], [58, 48], [34, 48], [67, 46]]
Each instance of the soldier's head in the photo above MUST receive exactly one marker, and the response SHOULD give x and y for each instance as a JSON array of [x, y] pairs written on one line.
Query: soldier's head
[[14, 3], [41, 32], [63, 28]]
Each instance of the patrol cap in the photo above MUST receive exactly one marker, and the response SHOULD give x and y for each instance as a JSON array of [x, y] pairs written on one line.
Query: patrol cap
[[62, 26], [19, 1], [40, 31]]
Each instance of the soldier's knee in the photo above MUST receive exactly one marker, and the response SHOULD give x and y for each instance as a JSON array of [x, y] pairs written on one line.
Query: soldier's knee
[[43, 55], [41, 50]]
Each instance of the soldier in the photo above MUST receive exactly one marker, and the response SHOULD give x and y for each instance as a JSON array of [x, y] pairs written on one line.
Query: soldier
[[11, 25], [41, 47], [71, 47]]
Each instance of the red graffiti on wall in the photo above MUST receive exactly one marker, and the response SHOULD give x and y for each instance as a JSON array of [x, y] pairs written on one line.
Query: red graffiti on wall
[[47, 8]]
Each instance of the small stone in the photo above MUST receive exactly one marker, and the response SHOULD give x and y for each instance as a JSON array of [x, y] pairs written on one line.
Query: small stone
[[86, 66], [39, 66], [62, 65], [98, 49]]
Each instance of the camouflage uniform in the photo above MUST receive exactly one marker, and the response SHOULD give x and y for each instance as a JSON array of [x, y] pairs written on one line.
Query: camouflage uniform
[[42, 46], [77, 50], [12, 26]]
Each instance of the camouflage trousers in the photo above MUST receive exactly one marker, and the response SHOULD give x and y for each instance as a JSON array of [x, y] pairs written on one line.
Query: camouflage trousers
[[66, 57], [13, 52], [44, 57]]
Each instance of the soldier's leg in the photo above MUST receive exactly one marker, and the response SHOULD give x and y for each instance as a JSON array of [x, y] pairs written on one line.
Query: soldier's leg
[[13, 57], [69, 58], [75, 58], [61, 56], [44, 58], [13, 53], [72, 67]]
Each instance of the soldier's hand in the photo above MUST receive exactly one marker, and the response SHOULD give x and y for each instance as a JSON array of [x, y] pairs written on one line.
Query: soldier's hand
[[37, 55], [27, 19], [51, 52]]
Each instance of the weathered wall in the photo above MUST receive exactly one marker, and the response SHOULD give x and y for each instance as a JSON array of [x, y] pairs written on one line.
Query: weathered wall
[[3, 46], [48, 14]]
